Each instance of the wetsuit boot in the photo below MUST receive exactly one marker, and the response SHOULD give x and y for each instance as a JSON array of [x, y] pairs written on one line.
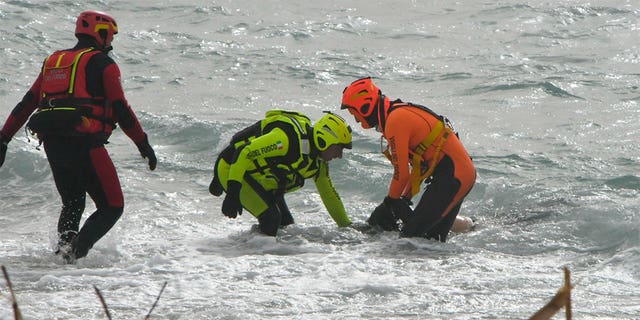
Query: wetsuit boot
[[96, 226], [285, 215]]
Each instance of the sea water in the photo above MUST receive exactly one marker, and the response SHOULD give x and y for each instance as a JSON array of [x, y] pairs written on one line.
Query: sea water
[[544, 95]]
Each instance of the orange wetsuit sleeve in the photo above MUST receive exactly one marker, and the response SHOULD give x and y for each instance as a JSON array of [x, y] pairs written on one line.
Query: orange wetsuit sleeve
[[398, 135]]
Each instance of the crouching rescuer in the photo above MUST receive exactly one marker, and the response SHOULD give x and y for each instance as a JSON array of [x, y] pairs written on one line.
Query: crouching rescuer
[[275, 156]]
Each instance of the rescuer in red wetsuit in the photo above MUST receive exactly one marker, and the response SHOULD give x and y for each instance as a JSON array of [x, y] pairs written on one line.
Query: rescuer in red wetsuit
[[422, 146], [79, 100]]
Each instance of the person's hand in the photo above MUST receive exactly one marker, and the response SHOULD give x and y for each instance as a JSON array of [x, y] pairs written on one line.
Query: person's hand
[[231, 205], [146, 151], [215, 188], [383, 217], [3, 148], [399, 208]]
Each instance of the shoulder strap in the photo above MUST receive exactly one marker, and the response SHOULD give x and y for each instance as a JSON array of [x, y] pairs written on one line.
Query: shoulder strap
[[300, 122]]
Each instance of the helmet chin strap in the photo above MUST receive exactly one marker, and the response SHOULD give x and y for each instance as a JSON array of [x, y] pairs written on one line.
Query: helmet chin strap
[[103, 47], [381, 116]]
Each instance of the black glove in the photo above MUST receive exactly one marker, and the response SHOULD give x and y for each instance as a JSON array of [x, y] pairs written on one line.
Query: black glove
[[231, 206], [383, 217], [399, 208], [147, 152], [215, 188], [3, 148]]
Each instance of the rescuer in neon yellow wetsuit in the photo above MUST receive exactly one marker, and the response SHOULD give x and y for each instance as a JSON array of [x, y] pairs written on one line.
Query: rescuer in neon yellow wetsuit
[[275, 156]]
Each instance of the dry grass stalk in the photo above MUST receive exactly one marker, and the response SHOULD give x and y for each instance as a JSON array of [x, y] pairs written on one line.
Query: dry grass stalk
[[17, 315]]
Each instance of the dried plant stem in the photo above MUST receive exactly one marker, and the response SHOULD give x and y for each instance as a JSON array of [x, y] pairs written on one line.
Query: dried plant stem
[[156, 302], [104, 304], [17, 315]]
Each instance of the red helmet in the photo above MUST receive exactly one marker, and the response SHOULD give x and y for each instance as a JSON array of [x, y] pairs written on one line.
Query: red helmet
[[361, 99], [97, 25]]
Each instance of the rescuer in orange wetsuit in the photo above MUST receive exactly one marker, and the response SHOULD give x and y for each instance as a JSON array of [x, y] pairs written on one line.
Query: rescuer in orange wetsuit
[[422, 146]]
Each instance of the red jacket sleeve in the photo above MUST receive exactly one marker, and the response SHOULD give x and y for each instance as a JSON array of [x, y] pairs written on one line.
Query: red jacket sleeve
[[122, 112], [21, 112]]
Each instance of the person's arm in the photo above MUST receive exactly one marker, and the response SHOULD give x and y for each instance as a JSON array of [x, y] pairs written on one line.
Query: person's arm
[[21, 112], [330, 196], [124, 115], [398, 135], [19, 116]]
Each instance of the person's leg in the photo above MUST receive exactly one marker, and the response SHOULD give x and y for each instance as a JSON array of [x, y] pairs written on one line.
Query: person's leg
[[104, 188], [264, 205], [94, 228], [70, 182], [441, 230], [430, 217], [283, 208], [270, 221]]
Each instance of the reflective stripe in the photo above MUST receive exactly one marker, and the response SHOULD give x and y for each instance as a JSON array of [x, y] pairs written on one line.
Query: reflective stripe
[[305, 146], [75, 67], [57, 109], [59, 60]]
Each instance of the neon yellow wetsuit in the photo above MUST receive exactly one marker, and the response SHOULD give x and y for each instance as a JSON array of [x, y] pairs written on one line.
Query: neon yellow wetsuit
[[273, 157]]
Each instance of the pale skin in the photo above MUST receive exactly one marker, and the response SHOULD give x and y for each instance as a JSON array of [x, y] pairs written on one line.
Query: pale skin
[[462, 225], [332, 152]]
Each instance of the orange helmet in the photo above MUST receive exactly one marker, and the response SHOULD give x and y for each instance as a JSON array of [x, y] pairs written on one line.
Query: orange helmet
[[361, 99], [97, 25]]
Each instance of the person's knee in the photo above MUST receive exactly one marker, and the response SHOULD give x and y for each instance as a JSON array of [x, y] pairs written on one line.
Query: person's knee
[[112, 213], [73, 205]]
